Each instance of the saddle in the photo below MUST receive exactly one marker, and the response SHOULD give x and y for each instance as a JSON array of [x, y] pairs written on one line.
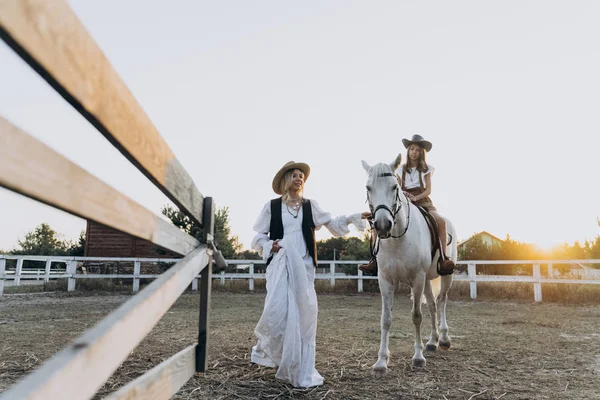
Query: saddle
[[436, 243]]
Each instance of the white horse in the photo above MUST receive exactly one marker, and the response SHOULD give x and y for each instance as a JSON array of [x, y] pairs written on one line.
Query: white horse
[[405, 256]]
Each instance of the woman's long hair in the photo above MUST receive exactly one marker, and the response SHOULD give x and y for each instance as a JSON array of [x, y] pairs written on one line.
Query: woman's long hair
[[286, 183], [421, 162]]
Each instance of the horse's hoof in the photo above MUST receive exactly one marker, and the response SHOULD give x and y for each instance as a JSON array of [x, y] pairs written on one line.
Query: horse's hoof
[[445, 345], [418, 362], [431, 347], [379, 372]]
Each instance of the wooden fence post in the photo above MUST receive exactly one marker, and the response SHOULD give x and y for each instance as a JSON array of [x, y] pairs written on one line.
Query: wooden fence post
[[136, 276], [537, 285], [360, 281], [18, 271], [332, 273], [472, 282], [222, 278], [550, 271], [47, 270], [251, 280], [71, 269], [208, 231], [2, 272]]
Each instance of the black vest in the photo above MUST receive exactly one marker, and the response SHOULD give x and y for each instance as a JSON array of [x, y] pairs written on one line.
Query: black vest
[[308, 226]]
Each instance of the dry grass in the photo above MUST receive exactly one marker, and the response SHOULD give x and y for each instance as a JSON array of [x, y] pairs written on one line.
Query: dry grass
[[322, 286], [509, 350], [57, 285], [82, 285], [552, 292]]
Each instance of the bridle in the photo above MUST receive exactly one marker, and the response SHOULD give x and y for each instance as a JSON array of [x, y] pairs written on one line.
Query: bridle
[[396, 209], [397, 204]]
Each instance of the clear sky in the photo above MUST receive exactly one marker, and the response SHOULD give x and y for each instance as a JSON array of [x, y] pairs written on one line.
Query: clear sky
[[508, 92]]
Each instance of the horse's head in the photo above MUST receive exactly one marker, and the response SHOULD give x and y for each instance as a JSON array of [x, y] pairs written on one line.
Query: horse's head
[[383, 195]]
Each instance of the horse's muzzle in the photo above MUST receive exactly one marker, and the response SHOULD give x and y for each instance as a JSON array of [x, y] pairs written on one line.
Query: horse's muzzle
[[383, 227]]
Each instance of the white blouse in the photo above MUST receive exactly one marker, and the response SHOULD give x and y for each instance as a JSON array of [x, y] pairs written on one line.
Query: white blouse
[[412, 176], [292, 227]]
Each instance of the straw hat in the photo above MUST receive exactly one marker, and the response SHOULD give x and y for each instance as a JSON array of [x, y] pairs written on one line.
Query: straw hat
[[418, 139], [288, 166]]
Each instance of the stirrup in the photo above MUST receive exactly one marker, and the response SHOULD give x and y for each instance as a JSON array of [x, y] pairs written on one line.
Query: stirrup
[[370, 268], [445, 271]]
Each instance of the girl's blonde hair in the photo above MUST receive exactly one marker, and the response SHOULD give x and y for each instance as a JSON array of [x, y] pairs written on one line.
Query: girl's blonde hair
[[286, 183]]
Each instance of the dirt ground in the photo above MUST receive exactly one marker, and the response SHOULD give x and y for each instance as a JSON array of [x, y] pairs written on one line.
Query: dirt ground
[[500, 350]]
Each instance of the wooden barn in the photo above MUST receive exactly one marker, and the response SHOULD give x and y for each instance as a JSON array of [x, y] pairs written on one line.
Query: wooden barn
[[102, 241], [487, 238]]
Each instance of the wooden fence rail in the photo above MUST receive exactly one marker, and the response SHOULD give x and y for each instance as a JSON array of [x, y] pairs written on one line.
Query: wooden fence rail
[[591, 278], [48, 36]]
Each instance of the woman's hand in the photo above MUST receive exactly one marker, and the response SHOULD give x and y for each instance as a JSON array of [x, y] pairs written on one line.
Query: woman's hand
[[276, 247], [365, 215]]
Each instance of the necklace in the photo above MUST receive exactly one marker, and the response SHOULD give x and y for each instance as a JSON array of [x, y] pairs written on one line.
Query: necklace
[[295, 206], [294, 203]]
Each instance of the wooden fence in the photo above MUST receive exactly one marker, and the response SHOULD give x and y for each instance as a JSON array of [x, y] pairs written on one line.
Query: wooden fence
[[48, 36], [533, 269]]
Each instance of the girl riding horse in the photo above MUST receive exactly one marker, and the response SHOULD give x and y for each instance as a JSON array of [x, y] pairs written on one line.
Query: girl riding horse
[[415, 178]]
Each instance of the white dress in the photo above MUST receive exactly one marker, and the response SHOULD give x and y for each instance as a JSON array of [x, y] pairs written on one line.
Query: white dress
[[286, 331]]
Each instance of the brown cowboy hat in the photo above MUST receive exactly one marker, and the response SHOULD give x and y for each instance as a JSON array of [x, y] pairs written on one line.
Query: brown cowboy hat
[[418, 139], [288, 166]]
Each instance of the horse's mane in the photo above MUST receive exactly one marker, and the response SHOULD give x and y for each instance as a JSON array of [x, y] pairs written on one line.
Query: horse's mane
[[379, 169], [383, 168]]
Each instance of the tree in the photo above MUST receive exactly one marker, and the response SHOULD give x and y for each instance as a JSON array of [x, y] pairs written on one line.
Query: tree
[[182, 221], [474, 249], [509, 249], [229, 245], [326, 249], [77, 249], [345, 248], [248, 255], [514, 250], [592, 248], [43, 241]]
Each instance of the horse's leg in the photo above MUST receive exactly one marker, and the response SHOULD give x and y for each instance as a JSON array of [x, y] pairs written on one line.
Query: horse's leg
[[432, 344], [417, 288], [387, 300], [442, 299]]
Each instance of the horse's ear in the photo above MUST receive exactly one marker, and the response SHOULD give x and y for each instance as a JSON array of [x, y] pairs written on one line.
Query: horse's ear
[[366, 166], [396, 162]]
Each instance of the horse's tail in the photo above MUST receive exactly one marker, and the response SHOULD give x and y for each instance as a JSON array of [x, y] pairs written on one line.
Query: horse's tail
[[436, 286], [453, 251]]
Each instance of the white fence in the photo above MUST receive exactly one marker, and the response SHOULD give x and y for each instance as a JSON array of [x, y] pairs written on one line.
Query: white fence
[[581, 275]]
